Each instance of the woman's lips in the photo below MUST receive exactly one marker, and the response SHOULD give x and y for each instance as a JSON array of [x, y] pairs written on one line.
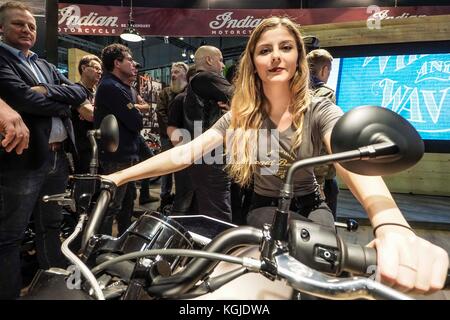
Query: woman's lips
[[278, 69]]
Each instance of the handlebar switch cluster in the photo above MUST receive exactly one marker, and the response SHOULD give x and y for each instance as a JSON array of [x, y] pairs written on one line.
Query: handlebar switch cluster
[[304, 234], [327, 254], [314, 245]]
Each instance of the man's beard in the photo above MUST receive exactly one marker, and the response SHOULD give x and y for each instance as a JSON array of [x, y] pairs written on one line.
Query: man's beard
[[177, 85]]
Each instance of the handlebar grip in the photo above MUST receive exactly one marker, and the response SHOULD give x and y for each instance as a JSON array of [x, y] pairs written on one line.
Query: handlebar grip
[[363, 260], [358, 259]]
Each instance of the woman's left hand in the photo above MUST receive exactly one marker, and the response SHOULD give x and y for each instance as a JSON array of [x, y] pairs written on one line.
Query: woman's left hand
[[409, 263]]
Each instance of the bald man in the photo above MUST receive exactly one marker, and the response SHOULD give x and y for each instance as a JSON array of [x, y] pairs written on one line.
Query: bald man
[[208, 92], [206, 95]]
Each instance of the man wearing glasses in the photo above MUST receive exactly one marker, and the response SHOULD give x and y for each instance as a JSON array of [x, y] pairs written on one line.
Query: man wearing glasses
[[90, 69]]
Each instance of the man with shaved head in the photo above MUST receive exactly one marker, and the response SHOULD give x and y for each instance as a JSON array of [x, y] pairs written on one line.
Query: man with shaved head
[[209, 58], [207, 97]]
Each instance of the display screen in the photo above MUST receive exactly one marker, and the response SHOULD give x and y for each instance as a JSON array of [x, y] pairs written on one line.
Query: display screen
[[414, 86]]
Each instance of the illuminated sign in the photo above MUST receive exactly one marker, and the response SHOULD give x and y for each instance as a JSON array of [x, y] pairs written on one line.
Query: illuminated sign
[[414, 86]]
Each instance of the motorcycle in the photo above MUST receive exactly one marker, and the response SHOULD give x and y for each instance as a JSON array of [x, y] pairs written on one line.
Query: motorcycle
[[162, 257]]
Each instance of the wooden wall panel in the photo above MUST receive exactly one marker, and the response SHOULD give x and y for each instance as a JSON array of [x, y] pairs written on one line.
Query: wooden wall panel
[[431, 176], [432, 28], [74, 56]]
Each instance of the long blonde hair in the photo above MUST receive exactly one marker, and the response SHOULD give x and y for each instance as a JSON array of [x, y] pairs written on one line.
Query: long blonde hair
[[247, 103]]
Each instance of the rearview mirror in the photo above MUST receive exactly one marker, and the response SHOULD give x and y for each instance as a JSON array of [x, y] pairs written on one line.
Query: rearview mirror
[[369, 125], [109, 133]]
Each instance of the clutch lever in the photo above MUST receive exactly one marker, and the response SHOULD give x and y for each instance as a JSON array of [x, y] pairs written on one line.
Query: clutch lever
[[305, 279], [63, 199]]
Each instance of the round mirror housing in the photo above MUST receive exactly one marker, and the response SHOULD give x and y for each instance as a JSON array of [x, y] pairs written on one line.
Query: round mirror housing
[[109, 133], [369, 125]]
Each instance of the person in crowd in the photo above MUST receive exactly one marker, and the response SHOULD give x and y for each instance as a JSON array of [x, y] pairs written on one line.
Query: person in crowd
[[272, 91], [14, 134], [144, 150], [177, 84], [184, 201], [42, 96], [207, 98], [115, 96], [319, 61], [90, 69]]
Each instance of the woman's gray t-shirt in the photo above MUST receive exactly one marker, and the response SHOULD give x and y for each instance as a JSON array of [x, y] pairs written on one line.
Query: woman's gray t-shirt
[[275, 160]]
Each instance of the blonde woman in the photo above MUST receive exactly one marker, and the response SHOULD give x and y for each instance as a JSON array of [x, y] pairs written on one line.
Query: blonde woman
[[271, 92]]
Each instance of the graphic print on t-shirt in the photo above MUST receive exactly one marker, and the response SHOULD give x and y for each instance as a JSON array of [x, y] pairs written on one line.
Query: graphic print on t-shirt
[[275, 156]]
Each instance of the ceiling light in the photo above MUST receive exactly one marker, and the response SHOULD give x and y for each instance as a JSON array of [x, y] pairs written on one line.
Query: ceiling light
[[130, 33]]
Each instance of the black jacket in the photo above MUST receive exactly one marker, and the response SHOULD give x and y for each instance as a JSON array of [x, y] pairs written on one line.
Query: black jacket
[[116, 98], [81, 127], [203, 92], [36, 109]]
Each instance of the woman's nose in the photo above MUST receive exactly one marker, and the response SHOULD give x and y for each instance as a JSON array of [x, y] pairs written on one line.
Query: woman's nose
[[275, 55]]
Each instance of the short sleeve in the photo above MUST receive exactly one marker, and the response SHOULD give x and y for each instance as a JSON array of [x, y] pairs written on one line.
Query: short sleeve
[[223, 124], [326, 114]]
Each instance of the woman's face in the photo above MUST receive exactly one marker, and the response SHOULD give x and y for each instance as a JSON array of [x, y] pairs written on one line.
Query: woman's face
[[276, 55]]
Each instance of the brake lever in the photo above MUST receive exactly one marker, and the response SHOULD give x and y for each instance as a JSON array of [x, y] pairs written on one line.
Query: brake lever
[[63, 199], [305, 279]]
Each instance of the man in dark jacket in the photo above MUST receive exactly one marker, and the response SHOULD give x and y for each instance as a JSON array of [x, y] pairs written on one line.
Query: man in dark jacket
[[42, 96], [207, 98], [115, 96]]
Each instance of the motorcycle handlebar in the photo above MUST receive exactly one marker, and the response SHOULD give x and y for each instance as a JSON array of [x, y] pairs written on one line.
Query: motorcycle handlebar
[[97, 216], [308, 280], [311, 247]]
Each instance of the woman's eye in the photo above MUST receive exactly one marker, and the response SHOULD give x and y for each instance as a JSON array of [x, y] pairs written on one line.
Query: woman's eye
[[287, 48], [264, 51]]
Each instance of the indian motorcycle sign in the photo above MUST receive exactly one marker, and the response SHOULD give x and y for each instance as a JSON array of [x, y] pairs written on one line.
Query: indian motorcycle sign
[[80, 19]]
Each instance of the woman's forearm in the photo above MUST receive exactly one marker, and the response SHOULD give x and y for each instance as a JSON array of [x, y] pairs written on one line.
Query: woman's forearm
[[374, 196], [169, 161]]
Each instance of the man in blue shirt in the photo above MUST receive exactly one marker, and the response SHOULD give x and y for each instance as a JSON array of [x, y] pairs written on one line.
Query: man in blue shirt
[[42, 96], [115, 96]]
